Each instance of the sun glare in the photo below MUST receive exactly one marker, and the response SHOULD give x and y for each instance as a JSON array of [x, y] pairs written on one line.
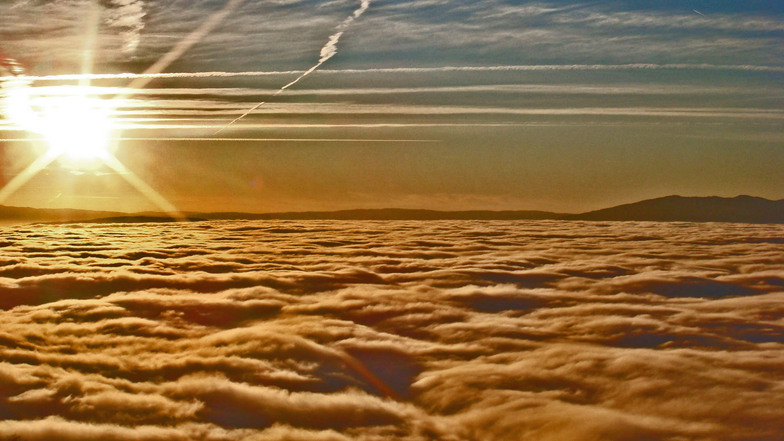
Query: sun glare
[[78, 127]]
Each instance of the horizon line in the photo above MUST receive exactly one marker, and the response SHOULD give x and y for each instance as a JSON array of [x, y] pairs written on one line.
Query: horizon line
[[343, 210]]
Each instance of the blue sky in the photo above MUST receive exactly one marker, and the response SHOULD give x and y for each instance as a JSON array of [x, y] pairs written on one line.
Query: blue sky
[[552, 105]]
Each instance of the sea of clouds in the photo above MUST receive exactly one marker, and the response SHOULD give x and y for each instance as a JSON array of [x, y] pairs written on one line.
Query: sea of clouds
[[452, 330]]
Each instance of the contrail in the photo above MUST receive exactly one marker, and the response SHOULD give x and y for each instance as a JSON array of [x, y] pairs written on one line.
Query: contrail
[[328, 51], [131, 76], [308, 140], [88, 55], [176, 52], [501, 68], [562, 67], [331, 48]]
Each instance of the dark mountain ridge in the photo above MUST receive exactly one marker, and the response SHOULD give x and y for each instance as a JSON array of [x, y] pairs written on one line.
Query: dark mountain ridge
[[27, 214], [388, 214], [742, 209]]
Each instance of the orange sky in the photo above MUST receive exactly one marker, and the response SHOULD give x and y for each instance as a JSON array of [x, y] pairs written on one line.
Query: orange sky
[[398, 105]]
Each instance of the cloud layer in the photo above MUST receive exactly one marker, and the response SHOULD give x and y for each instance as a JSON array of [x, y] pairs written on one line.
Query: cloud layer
[[402, 330], [583, 92]]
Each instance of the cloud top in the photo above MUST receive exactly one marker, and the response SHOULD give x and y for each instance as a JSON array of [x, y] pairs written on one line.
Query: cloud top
[[396, 330]]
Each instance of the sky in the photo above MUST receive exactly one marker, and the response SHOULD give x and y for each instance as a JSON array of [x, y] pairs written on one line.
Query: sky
[[552, 105]]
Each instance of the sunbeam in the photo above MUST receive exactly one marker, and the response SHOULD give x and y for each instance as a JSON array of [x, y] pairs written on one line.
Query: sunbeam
[[88, 54], [186, 43], [22, 178], [143, 188]]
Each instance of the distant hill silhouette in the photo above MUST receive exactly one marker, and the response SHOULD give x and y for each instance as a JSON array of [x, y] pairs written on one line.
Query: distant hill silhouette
[[139, 219], [26, 214], [744, 209], [388, 214]]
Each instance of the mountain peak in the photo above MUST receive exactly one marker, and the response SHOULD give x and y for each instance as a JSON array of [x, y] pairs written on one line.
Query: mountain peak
[[741, 208]]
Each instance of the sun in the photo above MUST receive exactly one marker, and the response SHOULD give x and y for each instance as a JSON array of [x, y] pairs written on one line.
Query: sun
[[76, 127], [75, 124]]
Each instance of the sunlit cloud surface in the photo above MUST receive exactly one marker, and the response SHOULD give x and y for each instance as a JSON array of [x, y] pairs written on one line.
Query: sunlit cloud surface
[[402, 330]]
